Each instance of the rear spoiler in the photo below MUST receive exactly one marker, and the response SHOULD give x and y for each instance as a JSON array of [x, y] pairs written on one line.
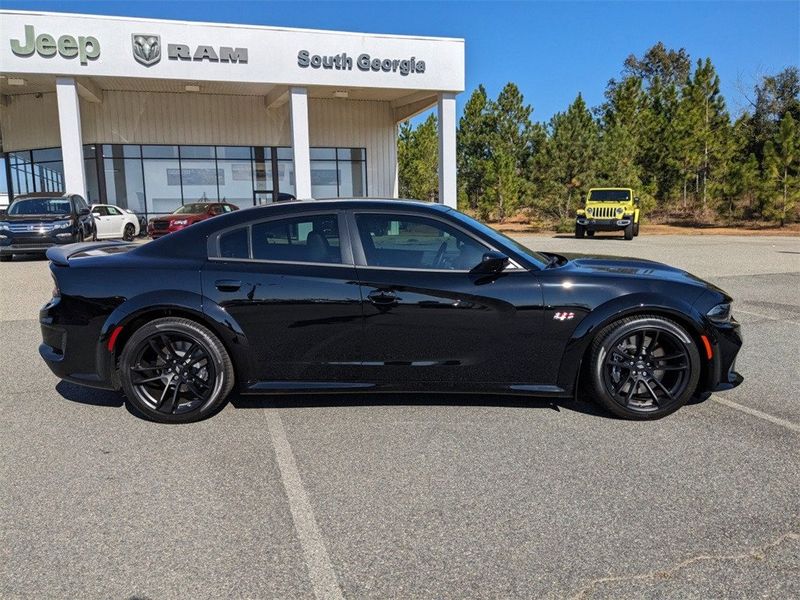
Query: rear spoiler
[[60, 255]]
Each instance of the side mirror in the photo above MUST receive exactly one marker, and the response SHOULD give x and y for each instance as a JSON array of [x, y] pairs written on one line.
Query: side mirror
[[83, 212], [636, 201], [492, 262]]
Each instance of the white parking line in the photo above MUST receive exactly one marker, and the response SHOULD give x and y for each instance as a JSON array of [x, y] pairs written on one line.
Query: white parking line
[[320, 568], [757, 413], [752, 314]]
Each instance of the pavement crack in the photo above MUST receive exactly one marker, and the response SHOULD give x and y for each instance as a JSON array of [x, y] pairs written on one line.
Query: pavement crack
[[758, 553]]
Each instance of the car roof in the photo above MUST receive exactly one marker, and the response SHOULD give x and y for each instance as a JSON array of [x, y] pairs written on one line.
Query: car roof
[[349, 203], [43, 195]]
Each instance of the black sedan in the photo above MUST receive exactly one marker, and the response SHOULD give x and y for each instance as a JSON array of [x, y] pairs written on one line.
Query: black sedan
[[378, 295]]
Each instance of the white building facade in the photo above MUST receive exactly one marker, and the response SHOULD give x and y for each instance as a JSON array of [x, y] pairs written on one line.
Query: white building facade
[[152, 114]]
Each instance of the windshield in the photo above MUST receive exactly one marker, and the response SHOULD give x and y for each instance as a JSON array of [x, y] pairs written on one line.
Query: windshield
[[609, 196], [192, 209], [536, 257], [41, 206]]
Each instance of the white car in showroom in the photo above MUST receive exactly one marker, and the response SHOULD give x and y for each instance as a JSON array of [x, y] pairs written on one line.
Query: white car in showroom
[[114, 222]]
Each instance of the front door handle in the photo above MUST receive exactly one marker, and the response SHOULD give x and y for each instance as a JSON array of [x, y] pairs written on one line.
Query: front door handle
[[382, 297], [228, 285]]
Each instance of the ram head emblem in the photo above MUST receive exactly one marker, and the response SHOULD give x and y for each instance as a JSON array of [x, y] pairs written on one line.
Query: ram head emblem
[[146, 48]]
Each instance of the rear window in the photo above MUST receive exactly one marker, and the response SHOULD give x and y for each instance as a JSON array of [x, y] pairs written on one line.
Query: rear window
[[609, 196], [312, 238]]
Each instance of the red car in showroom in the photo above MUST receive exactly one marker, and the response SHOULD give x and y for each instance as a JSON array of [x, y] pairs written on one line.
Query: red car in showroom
[[187, 215]]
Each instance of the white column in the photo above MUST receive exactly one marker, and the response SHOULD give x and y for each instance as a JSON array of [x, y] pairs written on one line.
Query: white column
[[298, 115], [69, 123], [447, 149]]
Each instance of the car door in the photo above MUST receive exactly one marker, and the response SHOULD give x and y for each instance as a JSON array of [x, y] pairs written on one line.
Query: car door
[[427, 318], [102, 221], [289, 282], [116, 221]]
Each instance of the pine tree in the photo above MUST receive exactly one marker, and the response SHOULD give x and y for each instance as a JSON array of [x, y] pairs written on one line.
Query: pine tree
[[473, 148], [571, 154], [417, 157], [782, 164]]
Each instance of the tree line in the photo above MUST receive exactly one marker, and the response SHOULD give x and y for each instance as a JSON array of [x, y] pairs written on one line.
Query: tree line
[[664, 130]]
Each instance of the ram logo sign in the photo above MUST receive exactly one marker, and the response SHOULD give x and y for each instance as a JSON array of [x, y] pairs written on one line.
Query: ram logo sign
[[146, 48]]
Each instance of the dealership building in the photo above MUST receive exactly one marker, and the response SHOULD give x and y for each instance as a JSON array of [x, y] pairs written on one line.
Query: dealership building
[[151, 114]]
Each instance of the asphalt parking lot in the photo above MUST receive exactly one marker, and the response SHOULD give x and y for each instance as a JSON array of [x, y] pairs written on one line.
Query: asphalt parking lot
[[411, 497]]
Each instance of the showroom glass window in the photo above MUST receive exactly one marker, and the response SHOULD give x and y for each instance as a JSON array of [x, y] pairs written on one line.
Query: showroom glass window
[[411, 242], [123, 176], [157, 179], [309, 238]]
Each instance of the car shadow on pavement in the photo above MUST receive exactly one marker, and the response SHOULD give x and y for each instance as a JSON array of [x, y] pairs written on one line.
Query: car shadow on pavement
[[595, 238], [112, 399], [94, 397]]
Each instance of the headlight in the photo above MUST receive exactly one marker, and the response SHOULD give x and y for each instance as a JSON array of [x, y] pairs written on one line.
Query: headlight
[[620, 210], [63, 224], [181, 222], [4, 226], [721, 313], [589, 211]]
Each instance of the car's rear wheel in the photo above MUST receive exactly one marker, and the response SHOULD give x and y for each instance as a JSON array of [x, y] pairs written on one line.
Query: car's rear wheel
[[128, 232], [644, 367], [635, 230], [579, 231], [589, 233], [175, 371]]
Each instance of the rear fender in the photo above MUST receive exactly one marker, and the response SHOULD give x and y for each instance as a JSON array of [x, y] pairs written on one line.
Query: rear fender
[[679, 309], [180, 303]]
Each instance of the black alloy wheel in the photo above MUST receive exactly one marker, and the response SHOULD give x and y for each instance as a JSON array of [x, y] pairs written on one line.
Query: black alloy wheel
[[175, 371], [128, 232], [644, 367]]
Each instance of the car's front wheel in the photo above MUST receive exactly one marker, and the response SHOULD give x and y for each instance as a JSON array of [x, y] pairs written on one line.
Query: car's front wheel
[[629, 231], [128, 232], [175, 371], [579, 231], [644, 367]]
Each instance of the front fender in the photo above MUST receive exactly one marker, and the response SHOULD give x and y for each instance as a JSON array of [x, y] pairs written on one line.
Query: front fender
[[680, 309]]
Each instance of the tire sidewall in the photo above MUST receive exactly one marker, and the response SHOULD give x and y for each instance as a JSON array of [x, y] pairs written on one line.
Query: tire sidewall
[[195, 331], [128, 237], [617, 330]]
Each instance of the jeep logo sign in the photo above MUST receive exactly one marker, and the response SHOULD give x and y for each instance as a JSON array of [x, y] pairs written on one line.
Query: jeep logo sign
[[86, 48]]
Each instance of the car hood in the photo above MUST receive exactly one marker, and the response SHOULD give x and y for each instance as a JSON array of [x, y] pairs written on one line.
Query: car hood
[[188, 216], [34, 218], [631, 267]]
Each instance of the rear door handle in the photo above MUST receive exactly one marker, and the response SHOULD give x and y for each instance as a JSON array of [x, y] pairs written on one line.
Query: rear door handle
[[228, 285], [382, 297]]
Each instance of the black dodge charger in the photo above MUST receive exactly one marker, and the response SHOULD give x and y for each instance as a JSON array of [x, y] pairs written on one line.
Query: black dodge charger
[[378, 295]]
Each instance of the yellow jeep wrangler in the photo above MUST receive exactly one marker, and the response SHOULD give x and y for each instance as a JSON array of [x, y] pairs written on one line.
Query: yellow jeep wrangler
[[609, 209]]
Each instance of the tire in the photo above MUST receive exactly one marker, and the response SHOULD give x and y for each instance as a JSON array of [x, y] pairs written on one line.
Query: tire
[[635, 230], [80, 235], [6, 257], [579, 231], [629, 231], [152, 360], [94, 233], [128, 232], [590, 233], [623, 368]]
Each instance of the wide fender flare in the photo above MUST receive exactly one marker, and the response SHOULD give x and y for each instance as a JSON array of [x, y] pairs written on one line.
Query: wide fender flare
[[681, 309], [188, 303]]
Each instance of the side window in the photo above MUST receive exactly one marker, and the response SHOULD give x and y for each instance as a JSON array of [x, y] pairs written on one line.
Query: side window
[[411, 242], [79, 203], [233, 244], [311, 238], [114, 212], [226, 208], [101, 211]]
